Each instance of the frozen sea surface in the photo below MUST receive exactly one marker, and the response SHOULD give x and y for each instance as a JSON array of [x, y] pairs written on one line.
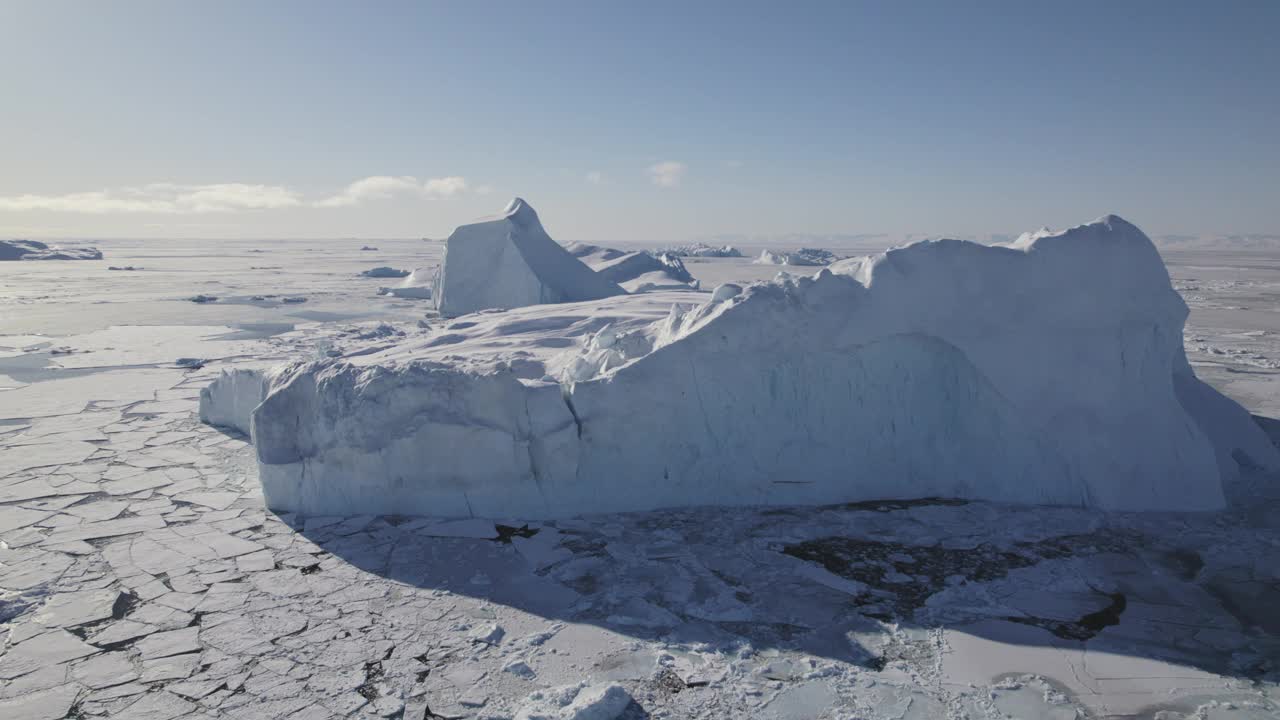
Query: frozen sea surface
[[141, 577]]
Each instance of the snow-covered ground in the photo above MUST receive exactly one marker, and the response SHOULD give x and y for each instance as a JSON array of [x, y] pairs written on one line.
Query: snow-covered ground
[[141, 576]]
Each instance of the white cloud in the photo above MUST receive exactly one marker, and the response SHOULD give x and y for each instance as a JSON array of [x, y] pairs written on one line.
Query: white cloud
[[667, 174], [595, 177], [173, 198], [381, 187], [161, 198]]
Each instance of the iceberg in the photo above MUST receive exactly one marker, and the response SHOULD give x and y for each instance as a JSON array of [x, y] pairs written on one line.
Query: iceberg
[[508, 262], [803, 256], [1048, 371], [415, 286], [635, 271]]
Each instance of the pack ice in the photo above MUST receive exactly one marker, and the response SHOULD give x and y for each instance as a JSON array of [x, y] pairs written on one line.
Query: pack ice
[[509, 261], [1047, 371]]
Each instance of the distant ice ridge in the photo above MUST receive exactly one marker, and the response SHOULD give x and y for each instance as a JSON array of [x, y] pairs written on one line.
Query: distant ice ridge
[[701, 250], [1049, 371], [34, 250], [509, 261], [803, 256], [635, 271]]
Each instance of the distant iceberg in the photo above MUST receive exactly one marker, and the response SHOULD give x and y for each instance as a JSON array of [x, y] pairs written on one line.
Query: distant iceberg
[[509, 261], [35, 250]]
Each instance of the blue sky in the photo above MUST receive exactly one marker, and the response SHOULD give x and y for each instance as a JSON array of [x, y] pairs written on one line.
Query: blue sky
[[638, 121]]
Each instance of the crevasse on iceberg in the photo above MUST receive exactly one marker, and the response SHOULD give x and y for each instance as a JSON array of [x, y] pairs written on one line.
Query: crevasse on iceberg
[[1048, 371]]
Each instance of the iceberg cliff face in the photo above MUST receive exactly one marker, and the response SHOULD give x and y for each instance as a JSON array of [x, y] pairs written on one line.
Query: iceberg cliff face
[[1048, 371]]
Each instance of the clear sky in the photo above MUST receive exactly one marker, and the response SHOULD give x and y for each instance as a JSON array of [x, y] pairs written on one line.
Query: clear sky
[[635, 121]]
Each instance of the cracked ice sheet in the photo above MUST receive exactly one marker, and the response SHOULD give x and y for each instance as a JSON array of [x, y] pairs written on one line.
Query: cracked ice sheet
[[65, 396], [696, 615], [152, 345]]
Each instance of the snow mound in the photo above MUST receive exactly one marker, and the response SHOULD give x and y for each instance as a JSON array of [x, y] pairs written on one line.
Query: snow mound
[[803, 256], [701, 250], [508, 262], [34, 250], [416, 286], [1052, 372]]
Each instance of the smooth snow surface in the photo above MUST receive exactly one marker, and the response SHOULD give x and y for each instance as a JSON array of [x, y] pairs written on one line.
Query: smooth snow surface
[[1051, 371], [509, 262]]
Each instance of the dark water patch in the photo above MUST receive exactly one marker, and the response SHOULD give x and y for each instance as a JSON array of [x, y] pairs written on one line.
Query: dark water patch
[[1086, 627], [903, 577]]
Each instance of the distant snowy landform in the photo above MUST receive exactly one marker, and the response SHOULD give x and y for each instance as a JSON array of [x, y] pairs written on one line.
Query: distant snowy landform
[[1048, 371], [34, 250]]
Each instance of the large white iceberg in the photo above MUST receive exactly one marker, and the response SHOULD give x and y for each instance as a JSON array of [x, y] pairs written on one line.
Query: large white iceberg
[[1048, 371], [509, 261]]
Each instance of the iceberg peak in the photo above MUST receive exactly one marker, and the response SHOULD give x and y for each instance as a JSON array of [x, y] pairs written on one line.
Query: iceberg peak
[[520, 212]]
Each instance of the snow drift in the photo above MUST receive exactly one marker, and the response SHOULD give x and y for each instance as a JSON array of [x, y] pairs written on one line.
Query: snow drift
[[1047, 371], [508, 262]]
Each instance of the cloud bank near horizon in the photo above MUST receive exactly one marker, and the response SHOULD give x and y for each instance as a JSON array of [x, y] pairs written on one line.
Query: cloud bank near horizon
[[180, 199]]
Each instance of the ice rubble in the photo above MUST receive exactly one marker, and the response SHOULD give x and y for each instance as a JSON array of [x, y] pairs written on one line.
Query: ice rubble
[[803, 256], [509, 261], [1048, 371], [34, 250], [702, 250]]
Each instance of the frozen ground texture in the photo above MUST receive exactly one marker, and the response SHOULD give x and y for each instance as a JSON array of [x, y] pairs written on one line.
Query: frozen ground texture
[[1051, 371], [141, 576], [509, 261], [34, 250]]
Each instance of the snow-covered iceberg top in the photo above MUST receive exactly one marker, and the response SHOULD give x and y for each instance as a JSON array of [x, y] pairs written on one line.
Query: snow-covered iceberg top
[[509, 261], [1050, 371]]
